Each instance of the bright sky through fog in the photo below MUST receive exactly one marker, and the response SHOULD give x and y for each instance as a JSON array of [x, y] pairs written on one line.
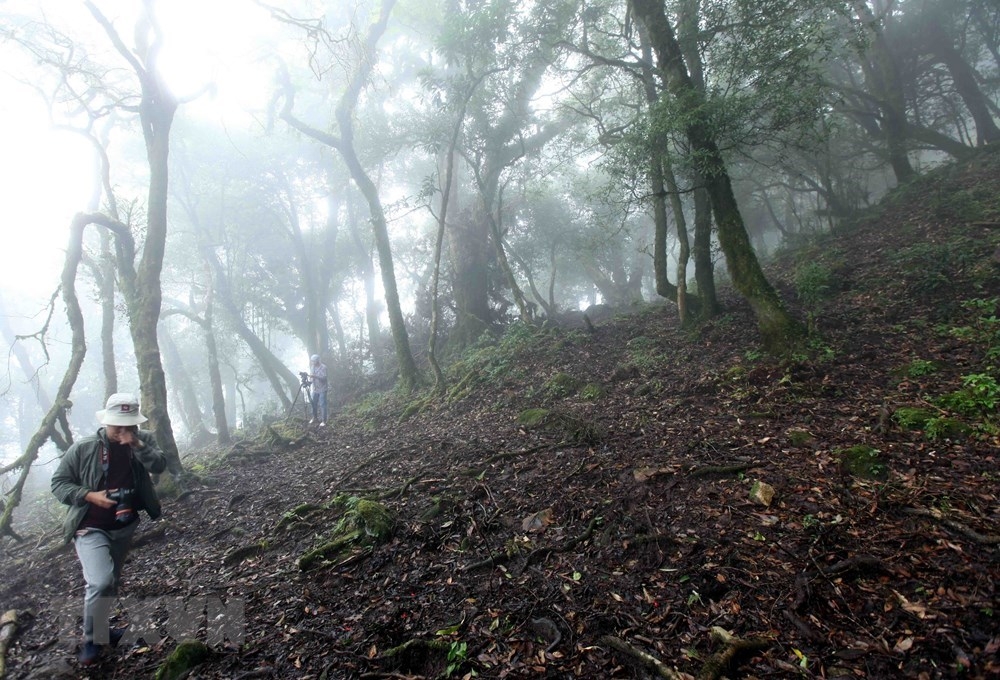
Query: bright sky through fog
[[46, 176]]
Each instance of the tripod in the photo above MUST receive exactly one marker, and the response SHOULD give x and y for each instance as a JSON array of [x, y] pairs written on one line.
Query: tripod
[[306, 401]]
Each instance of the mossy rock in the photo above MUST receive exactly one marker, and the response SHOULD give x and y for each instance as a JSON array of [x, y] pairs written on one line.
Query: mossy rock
[[912, 418], [186, 656], [438, 505], [365, 522], [167, 487], [946, 428], [374, 519], [863, 461], [798, 436], [569, 426], [533, 417]]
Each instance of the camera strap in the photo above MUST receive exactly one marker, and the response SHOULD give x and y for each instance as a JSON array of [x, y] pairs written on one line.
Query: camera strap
[[106, 464]]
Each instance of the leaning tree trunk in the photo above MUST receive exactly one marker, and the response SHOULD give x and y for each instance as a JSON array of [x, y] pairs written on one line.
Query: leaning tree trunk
[[281, 379], [185, 394], [524, 312], [778, 328], [966, 84], [61, 403], [660, 175], [409, 376], [704, 268], [363, 258], [882, 76], [468, 242], [222, 434]]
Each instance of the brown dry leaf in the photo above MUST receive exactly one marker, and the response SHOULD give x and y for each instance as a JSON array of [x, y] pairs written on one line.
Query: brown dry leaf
[[537, 521], [644, 474], [913, 607]]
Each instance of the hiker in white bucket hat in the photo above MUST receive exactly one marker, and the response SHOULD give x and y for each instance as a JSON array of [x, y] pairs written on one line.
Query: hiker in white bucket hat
[[104, 479]]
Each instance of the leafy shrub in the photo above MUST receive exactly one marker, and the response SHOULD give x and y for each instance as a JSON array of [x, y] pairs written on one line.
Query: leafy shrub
[[930, 267], [813, 283], [979, 396], [985, 328], [920, 367], [943, 427], [592, 392]]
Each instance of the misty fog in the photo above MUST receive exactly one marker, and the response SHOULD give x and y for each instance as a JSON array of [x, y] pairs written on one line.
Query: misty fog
[[231, 186]]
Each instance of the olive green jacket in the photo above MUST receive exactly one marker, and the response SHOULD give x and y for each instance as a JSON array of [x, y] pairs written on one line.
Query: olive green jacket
[[80, 472]]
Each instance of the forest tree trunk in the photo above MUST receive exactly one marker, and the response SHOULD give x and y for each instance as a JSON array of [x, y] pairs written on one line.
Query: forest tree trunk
[[779, 330]]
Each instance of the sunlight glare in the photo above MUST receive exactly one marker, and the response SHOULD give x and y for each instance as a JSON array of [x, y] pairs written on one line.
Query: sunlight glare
[[217, 45], [46, 179]]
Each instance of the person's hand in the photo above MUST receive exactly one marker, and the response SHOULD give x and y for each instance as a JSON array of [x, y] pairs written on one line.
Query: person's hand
[[99, 498], [126, 435]]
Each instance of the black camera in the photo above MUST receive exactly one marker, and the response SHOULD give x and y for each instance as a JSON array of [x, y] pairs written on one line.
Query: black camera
[[123, 510], [305, 379]]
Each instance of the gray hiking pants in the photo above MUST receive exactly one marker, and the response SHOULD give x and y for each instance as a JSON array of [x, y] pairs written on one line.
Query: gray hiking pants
[[102, 556]]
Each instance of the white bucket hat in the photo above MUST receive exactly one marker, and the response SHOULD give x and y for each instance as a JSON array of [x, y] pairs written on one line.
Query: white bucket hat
[[122, 409]]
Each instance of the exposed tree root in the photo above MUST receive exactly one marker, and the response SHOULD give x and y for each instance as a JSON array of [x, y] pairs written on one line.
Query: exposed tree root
[[640, 658], [734, 648], [969, 533], [416, 647], [713, 669], [536, 555], [243, 553], [858, 563], [721, 469], [8, 630]]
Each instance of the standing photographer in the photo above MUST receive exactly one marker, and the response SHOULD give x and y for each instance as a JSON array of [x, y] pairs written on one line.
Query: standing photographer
[[317, 371], [105, 481]]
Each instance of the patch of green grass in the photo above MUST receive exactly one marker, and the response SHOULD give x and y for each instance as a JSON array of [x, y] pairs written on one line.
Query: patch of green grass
[[929, 268], [561, 385], [644, 353]]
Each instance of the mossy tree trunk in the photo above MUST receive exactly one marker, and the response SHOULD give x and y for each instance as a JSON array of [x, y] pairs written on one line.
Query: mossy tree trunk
[[778, 328]]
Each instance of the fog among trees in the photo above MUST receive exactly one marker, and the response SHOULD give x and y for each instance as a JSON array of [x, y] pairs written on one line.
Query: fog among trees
[[388, 183]]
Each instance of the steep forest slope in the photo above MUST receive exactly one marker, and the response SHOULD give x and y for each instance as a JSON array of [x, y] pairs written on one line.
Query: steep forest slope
[[633, 501]]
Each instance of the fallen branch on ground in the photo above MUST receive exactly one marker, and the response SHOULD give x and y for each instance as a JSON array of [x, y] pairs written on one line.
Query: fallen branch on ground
[[8, 630], [969, 533], [641, 658], [721, 469]]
